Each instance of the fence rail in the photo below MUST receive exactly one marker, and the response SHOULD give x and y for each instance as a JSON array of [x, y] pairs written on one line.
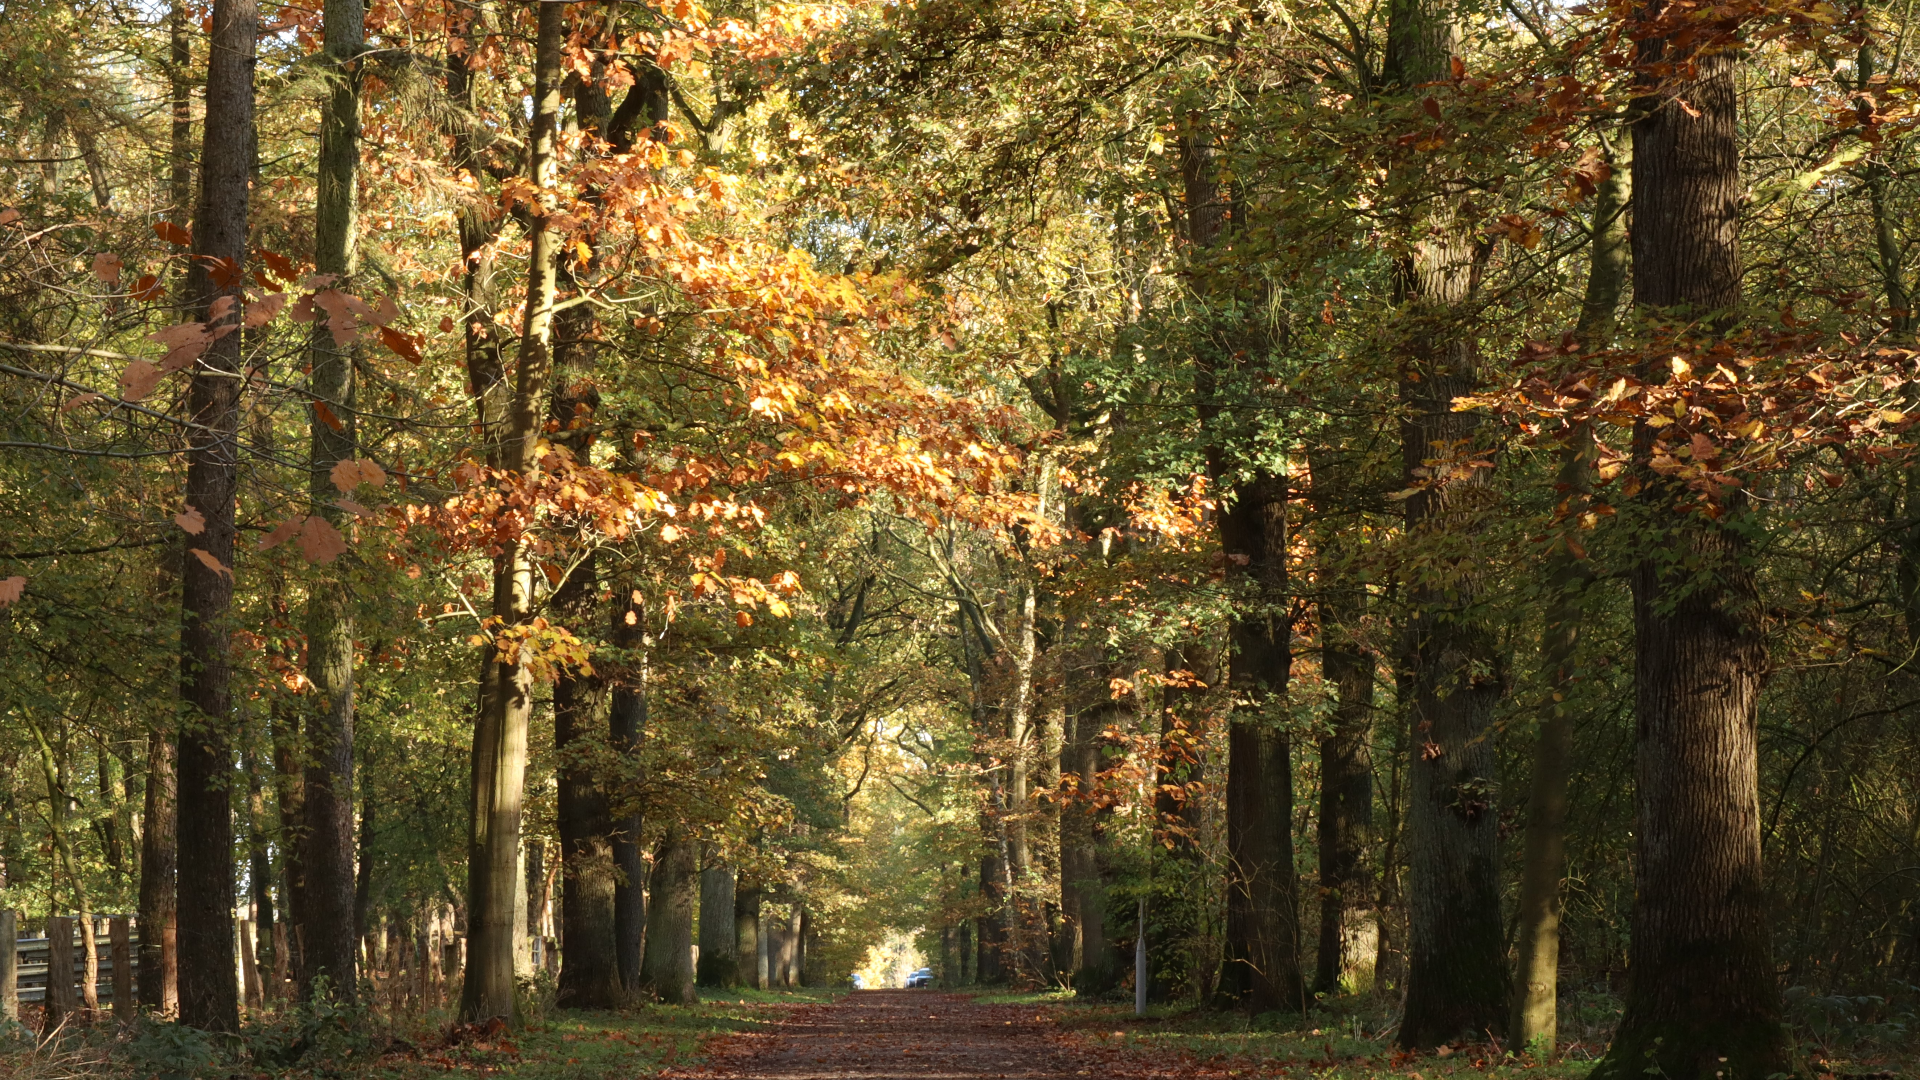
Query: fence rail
[[33, 957]]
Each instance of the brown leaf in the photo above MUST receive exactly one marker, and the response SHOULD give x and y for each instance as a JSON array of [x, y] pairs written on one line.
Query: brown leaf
[[353, 508], [106, 267], [192, 520], [326, 416], [11, 589], [172, 234], [78, 400], [207, 560], [345, 473], [320, 542], [261, 312], [281, 533], [139, 380]]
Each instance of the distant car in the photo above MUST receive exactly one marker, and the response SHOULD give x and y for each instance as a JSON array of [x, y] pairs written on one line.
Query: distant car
[[923, 977], [859, 981]]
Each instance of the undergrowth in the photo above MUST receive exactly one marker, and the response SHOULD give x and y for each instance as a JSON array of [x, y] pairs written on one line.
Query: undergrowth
[[325, 1042]]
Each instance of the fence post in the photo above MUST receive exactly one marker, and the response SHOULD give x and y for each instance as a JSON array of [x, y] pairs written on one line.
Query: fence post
[[120, 932], [60, 998], [9, 967]]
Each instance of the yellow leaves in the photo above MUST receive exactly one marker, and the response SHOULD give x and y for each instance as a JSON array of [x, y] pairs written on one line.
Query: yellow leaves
[[1681, 369]]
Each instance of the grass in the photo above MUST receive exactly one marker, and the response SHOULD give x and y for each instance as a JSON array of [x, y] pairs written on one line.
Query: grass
[[556, 1044]]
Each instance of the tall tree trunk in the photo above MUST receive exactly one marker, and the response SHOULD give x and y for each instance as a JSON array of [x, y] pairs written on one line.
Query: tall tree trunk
[[506, 682], [209, 997], [1263, 902], [1089, 871], [1544, 863], [260, 869], [1456, 965], [1348, 921], [1173, 916], [1702, 997], [719, 953], [589, 965], [746, 935], [668, 971], [626, 721], [1262, 969], [291, 791], [329, 935], [159, 958]]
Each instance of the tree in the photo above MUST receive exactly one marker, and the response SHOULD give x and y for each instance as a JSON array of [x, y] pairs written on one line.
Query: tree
[[329, 935], [208, 998], [1702, 997]]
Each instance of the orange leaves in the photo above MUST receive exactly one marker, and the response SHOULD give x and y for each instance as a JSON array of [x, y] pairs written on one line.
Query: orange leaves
[[320, 542], [208, 560], [191, 520], [400, 344], [172, 234], [349, 474]]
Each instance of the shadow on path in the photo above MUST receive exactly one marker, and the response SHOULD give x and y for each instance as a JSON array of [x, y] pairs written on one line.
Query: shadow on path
[[876, 1034]]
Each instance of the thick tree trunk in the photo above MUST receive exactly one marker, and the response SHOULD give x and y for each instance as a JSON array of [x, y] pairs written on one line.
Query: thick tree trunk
[[1456, 966], [328, 931], [746, 936], [1087, 870], [1175, 916], [1702, 998], [209, 997], [719, 956], [159, 959], [506, 682], [626, 722], [1262, 972], [1544, 863], [589, 964], [668, 970], [1348, 922]]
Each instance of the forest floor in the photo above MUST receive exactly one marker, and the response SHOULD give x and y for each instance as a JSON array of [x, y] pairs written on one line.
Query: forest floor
[[881, 1034]]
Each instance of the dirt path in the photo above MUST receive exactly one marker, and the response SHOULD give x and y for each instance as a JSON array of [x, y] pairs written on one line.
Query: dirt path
[[898, 1033]]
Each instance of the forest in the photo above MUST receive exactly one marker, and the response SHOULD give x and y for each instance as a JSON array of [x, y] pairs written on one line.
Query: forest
[[1406, 506]]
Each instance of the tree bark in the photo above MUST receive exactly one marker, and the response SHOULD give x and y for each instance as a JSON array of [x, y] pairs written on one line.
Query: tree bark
[[506, 682], [1544, 862], [589, 964], [719, 952], [1348, 926], [291, 791], [159, 974], [746, 936], [205, 883], [1456, 966], [329, 934], [668, 971], [1173, 917], [1702, 998], [1262, 972], [627, 721]]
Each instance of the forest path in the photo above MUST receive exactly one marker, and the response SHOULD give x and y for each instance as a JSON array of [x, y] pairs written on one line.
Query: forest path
[[877, 1034]]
